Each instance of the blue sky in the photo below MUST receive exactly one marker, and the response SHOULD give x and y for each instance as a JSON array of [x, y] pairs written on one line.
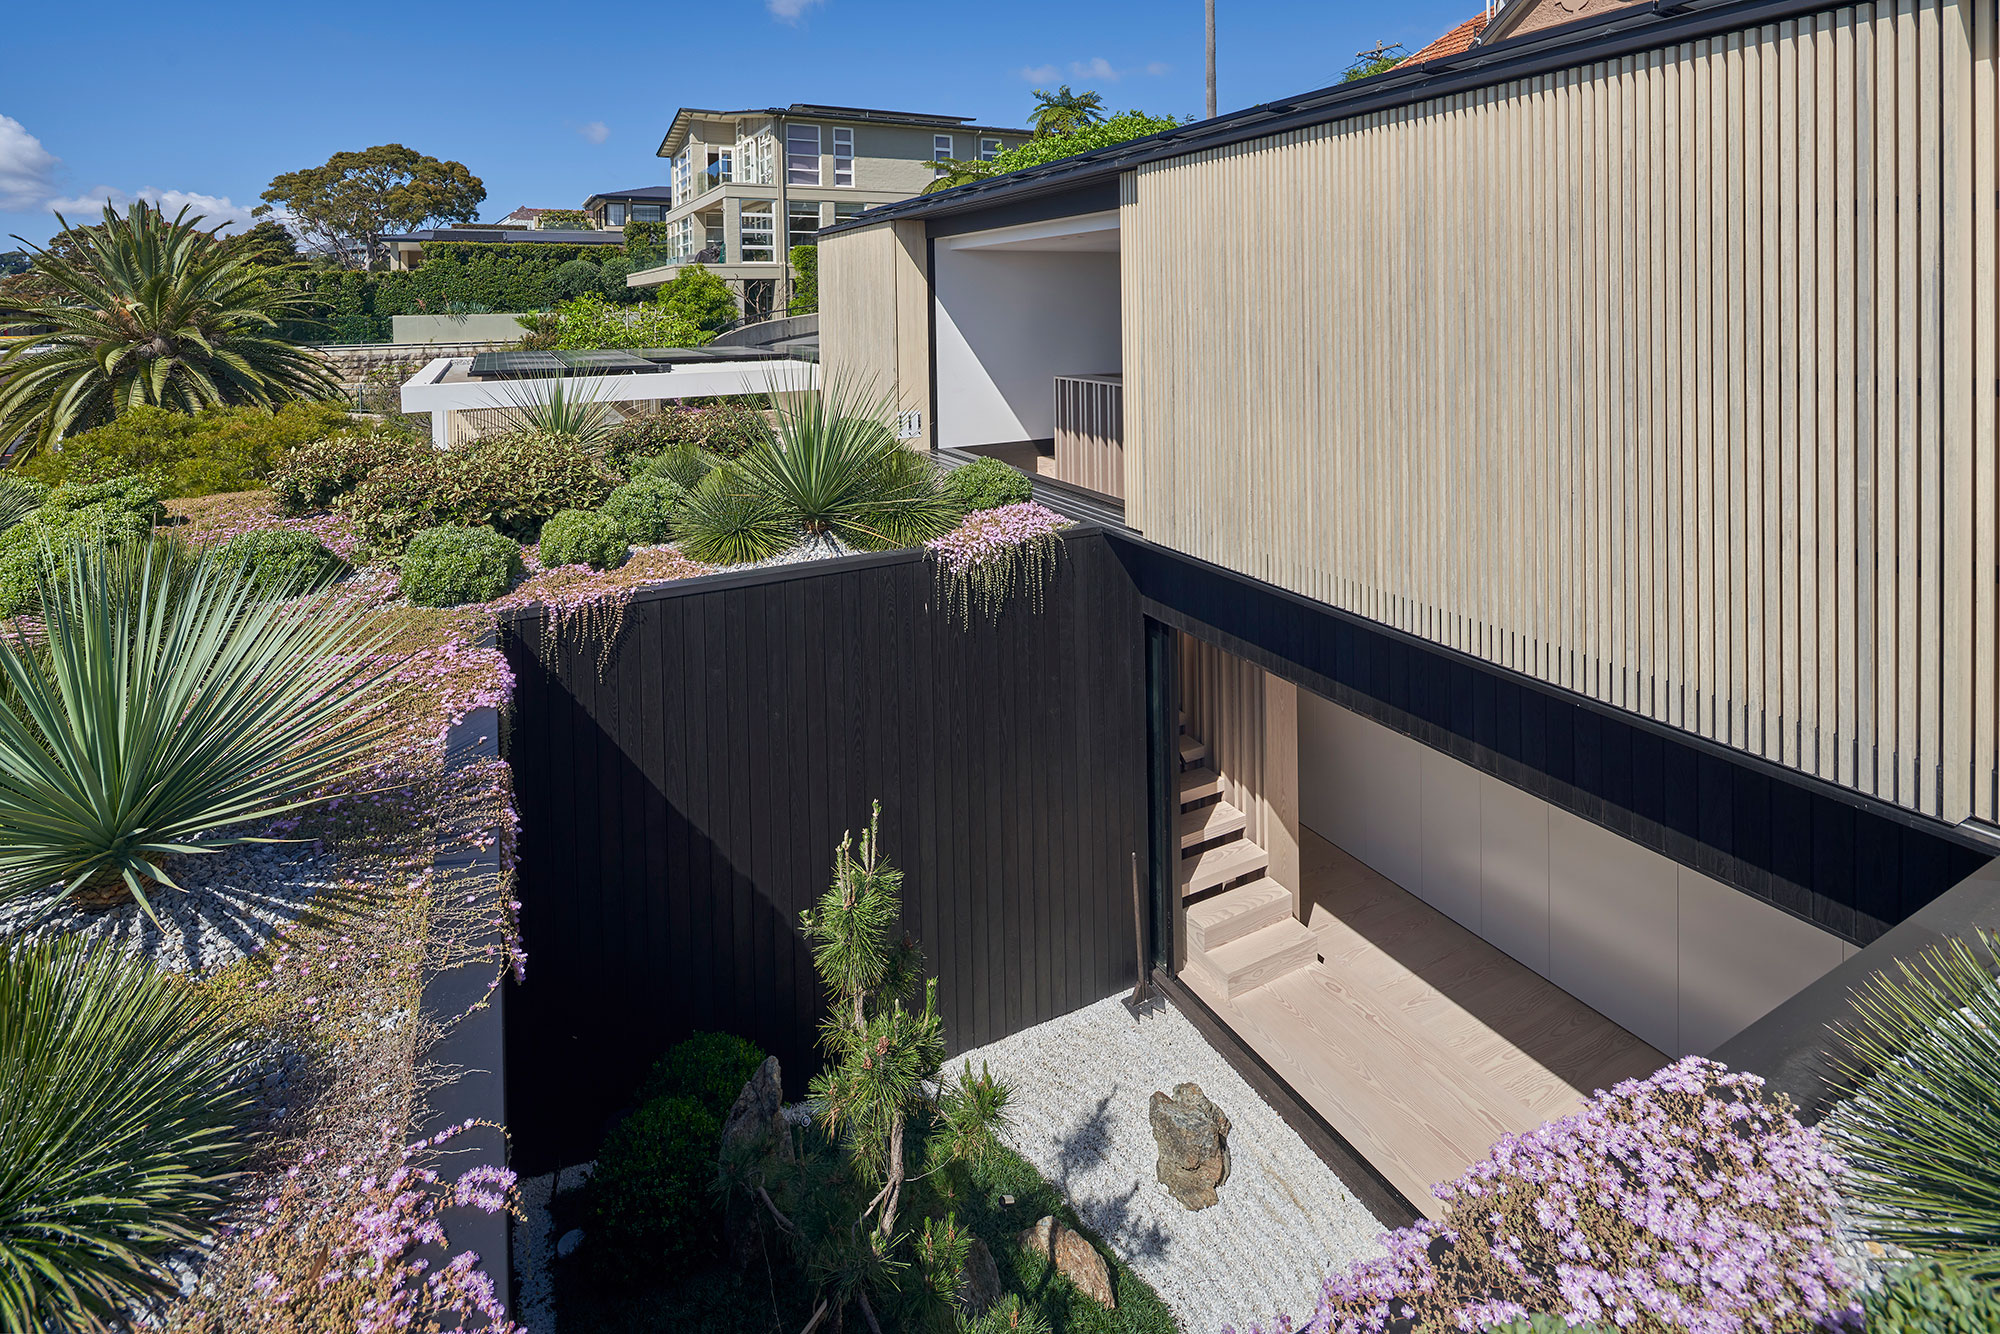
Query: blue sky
[[550, 101]]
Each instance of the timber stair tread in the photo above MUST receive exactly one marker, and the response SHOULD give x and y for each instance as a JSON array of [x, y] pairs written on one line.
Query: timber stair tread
[[1262, 956], [1205, 824], [1192, 751], [1198, 783], [1221, 864], [1236, 913]]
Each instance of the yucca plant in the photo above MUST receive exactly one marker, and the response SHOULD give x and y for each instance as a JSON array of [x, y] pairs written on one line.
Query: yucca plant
[[836, 470], [19, 498], [726, 519], [164, 705], [121, 1116], [1921, 1130], [570, 410], [152, 312]]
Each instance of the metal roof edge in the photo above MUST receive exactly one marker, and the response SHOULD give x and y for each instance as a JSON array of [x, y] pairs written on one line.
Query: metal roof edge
[[1544, 51]]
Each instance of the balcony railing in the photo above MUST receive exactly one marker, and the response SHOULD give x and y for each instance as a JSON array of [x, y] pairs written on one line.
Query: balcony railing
[[1090, 433]]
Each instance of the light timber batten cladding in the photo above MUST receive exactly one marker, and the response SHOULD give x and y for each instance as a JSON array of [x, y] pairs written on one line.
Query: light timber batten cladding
[[1670, 380]]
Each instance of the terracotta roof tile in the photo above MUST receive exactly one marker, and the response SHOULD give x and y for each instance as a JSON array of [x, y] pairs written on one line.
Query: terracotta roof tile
[[1458, 39]]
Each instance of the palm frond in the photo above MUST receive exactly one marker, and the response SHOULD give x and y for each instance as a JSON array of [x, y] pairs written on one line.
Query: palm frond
[[122, 1112], [171, 704], [153, 312]]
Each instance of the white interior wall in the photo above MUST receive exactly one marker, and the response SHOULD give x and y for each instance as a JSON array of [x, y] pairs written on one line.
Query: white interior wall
[[1008, 323], [1681, 960]]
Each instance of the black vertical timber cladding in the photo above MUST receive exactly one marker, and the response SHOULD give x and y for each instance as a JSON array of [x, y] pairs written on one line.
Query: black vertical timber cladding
[[1851, 867], [681, 808]]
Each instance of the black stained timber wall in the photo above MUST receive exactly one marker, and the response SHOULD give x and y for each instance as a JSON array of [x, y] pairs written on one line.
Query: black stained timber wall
[[681, 807], [1831, 858]]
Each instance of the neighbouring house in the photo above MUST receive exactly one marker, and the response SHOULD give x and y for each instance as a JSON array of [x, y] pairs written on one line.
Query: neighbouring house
[[746, 186], [1513, 19], [1557, 562], [614, 208]]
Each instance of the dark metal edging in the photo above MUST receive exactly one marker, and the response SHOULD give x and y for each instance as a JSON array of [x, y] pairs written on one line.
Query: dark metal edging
[[1391, 1208]]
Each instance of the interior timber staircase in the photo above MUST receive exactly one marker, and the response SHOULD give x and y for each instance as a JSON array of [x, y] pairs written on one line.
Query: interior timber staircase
[[1240, 929]]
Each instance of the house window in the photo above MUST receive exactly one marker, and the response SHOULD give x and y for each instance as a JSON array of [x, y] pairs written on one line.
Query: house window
[[614, 215], [648, 212], [802, 219], [718, 167], [680, 239], [843, 156], [989, 149], [683, 175], [758, 244], [802, 155], [842, 212], [940, 150]]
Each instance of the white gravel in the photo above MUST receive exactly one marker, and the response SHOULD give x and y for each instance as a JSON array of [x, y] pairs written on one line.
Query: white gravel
[[1079, 1112], [229, 902]]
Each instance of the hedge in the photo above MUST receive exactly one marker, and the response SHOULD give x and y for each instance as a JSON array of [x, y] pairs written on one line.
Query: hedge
[[456, 277]]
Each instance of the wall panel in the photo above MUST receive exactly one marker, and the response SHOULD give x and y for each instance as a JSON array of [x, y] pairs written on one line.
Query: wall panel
[[1669, 380]]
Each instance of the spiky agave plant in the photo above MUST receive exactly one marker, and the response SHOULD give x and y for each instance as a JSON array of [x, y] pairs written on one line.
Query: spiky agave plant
[[837, 470], [122, 1118], [156, 312], [19, 498], [569, 410], [165, 705], [1920, 1131]]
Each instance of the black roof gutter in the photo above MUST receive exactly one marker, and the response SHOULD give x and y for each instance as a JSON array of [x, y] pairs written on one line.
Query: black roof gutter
[[1621, 32]]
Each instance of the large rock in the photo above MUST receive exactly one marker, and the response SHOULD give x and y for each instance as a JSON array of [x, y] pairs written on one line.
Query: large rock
[[1074, 1257], [755, 1125], [1193, 1138], [979, 1281]]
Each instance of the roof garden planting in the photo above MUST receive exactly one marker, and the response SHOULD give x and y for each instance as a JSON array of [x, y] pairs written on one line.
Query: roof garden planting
[[225, 752]]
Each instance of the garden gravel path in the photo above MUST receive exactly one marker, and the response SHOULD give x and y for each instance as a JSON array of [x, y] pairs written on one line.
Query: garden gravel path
[[1080, 1113], [229, 903]]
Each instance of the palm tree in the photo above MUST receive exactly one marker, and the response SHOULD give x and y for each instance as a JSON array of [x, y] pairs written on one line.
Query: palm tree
[[954, 172], [1063, 111], [149, 311]]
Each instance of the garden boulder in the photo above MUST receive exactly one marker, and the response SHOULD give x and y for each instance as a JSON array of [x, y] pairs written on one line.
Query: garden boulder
[[978, 1282], [755, 1124], [1074, 1258], [1193, 1138]]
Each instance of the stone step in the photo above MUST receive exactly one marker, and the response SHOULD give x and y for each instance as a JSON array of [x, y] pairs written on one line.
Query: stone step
[[1235, 913], [1205, 824], [1221, 864], [1265, 955]]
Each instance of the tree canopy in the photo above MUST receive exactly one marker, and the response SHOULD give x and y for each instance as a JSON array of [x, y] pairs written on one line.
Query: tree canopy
[[1124, 126], [337, 206], [1064, 112]]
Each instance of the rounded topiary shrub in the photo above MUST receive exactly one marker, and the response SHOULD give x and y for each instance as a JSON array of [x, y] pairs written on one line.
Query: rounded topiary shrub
[[283, 561], [711, 1068], [533, 477], [986, 485], [643, 509], [319, 472], [447, 567], [652, 1208], [583, 537]]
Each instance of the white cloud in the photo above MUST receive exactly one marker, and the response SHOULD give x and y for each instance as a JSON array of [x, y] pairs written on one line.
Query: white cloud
[[212, 209], [595, 132], [790, 11], [1097, 67], [1159, 68], [27, 170], [1094, 70], [1040, 73]]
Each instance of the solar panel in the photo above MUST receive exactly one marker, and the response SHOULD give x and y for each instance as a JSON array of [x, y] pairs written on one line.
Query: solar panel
[[603, 359], [489, 364]]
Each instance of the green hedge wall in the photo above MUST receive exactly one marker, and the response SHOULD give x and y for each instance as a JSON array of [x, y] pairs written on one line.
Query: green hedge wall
[[346, 306]]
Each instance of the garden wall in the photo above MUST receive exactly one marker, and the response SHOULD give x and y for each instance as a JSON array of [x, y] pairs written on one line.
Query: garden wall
[[682, 805]]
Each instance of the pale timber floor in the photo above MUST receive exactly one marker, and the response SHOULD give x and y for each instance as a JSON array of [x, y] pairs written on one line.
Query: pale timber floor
[[1416, 1040]]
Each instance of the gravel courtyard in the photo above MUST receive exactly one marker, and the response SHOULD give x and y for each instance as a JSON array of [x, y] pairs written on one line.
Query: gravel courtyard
[[1079, 1112]]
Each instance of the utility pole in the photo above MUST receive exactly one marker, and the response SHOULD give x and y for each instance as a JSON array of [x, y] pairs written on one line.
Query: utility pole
[[1209, 7]]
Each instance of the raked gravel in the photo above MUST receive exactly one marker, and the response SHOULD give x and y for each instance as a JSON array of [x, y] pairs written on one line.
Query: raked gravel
[[1080, 1113]]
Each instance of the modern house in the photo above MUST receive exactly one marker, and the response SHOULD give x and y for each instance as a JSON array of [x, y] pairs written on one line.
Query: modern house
[[746, 186], [1561, 555], [645, 203]]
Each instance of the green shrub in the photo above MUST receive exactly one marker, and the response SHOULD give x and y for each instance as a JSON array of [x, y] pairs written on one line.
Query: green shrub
[[711, 1068], [651, 1196], [100, 514], [178, 705], [700, 298], [577, 278], [223, 449], [319, 472], [727, 430], [644, 510], [590, 321], [805, 280], [533, 476], [1930, 1299], [431, 489], [986, 485], [583, 537], [135, 496], [124, 1120], [448, 567], [283, 561]]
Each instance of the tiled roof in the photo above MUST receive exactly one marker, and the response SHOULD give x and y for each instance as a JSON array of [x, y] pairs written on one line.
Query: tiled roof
[[1452, 43]]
